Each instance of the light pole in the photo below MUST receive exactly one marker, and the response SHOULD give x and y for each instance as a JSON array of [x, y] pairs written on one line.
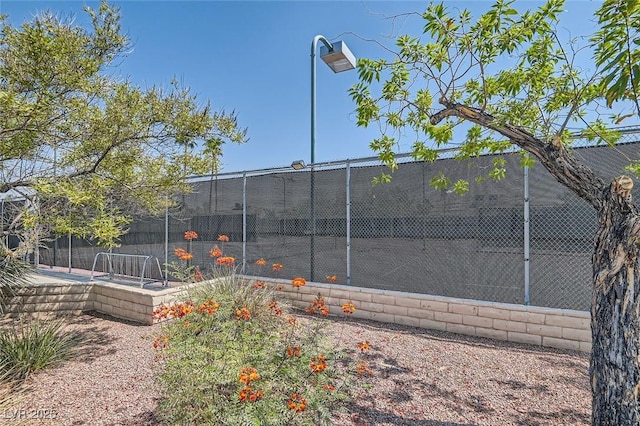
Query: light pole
[[339, 58]]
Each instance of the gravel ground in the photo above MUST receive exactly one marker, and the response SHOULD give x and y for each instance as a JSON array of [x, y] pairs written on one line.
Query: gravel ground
[[417, 377]]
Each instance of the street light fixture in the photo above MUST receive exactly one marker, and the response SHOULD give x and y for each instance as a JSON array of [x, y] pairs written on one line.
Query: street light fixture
[[339, 58], [298, 165]]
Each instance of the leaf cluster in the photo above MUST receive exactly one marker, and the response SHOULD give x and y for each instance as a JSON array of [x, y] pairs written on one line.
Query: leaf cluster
[[475, 82]]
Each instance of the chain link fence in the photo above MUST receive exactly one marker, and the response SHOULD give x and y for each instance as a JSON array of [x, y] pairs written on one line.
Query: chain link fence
[[405, 235]]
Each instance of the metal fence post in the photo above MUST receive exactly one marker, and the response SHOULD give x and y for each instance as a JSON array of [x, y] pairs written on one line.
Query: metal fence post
[[69, 252], [348, 219], [527, 299], [244, 222], [166, 243]]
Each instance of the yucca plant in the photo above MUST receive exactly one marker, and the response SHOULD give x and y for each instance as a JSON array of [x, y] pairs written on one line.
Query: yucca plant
[[30, 345]]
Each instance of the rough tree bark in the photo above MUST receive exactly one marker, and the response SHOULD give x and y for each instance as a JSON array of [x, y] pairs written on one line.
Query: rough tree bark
[[615, 310]]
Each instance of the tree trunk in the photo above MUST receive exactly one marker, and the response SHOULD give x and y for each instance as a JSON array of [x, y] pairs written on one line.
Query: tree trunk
[[615, 311]]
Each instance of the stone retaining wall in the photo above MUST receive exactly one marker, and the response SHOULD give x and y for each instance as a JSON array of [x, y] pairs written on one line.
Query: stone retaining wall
[[61, 299], [557, 328]]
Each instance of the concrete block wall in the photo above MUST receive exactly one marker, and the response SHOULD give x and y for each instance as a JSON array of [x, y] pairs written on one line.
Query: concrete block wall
[[556, 328], [61, 299]]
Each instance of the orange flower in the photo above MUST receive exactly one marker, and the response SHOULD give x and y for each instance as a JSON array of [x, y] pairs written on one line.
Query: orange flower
[[223, 238], [280, 288], [332, 278], [362, 368], [243, 314], [259, 284], [319, 305], [248, 375], [215, 251], [174, 311], [255, 395], [190, 235], [294, 351], [291, 320], [210, 307], [197, 275], [329, 387], [318, 364], [261, 262], [243, 395], [182, 254], [298, 282], [246, 394], [364, 346], [226, 261], [297, 403], [277, 267], [348, 308], [160, 342]]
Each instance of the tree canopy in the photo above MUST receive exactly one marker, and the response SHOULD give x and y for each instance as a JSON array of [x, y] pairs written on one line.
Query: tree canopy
[[88, 149], [515, 69]]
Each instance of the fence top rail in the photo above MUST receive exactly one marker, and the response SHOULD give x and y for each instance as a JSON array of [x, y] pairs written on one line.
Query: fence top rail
[[580, 142]]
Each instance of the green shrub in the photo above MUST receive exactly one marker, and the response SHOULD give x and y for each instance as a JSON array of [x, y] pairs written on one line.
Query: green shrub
[[233, 355], [32, 345]]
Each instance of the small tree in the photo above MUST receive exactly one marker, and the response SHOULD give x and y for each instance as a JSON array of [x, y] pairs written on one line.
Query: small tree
[[514, 82], [87, 149]]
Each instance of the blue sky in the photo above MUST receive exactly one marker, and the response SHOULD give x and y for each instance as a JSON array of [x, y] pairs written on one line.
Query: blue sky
[[254, 57]]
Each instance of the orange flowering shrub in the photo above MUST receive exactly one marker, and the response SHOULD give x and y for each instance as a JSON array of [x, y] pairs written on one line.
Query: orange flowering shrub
[[226, 261], [297, 403], [223, 238], [319, 305], [248, 375], [294, 351], [318, 364], [160, 342], [277, 267], [246, 394], [215, 251], [348, 308], [182, 254], [190, 235], [250, 355], [298, 282], [364, 346], [261, 262], [332, 278], [243, 314], [178, 310], [274, 308], [210, 307]]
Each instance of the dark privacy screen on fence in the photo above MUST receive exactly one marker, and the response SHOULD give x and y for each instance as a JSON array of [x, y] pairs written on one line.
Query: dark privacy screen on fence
[[405, 235]]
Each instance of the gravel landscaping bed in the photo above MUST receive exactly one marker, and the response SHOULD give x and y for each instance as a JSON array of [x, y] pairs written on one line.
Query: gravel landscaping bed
[[415, 377]]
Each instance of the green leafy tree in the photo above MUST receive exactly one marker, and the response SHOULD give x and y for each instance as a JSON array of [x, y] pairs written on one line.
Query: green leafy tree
[[88, 149], [507, 79]]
